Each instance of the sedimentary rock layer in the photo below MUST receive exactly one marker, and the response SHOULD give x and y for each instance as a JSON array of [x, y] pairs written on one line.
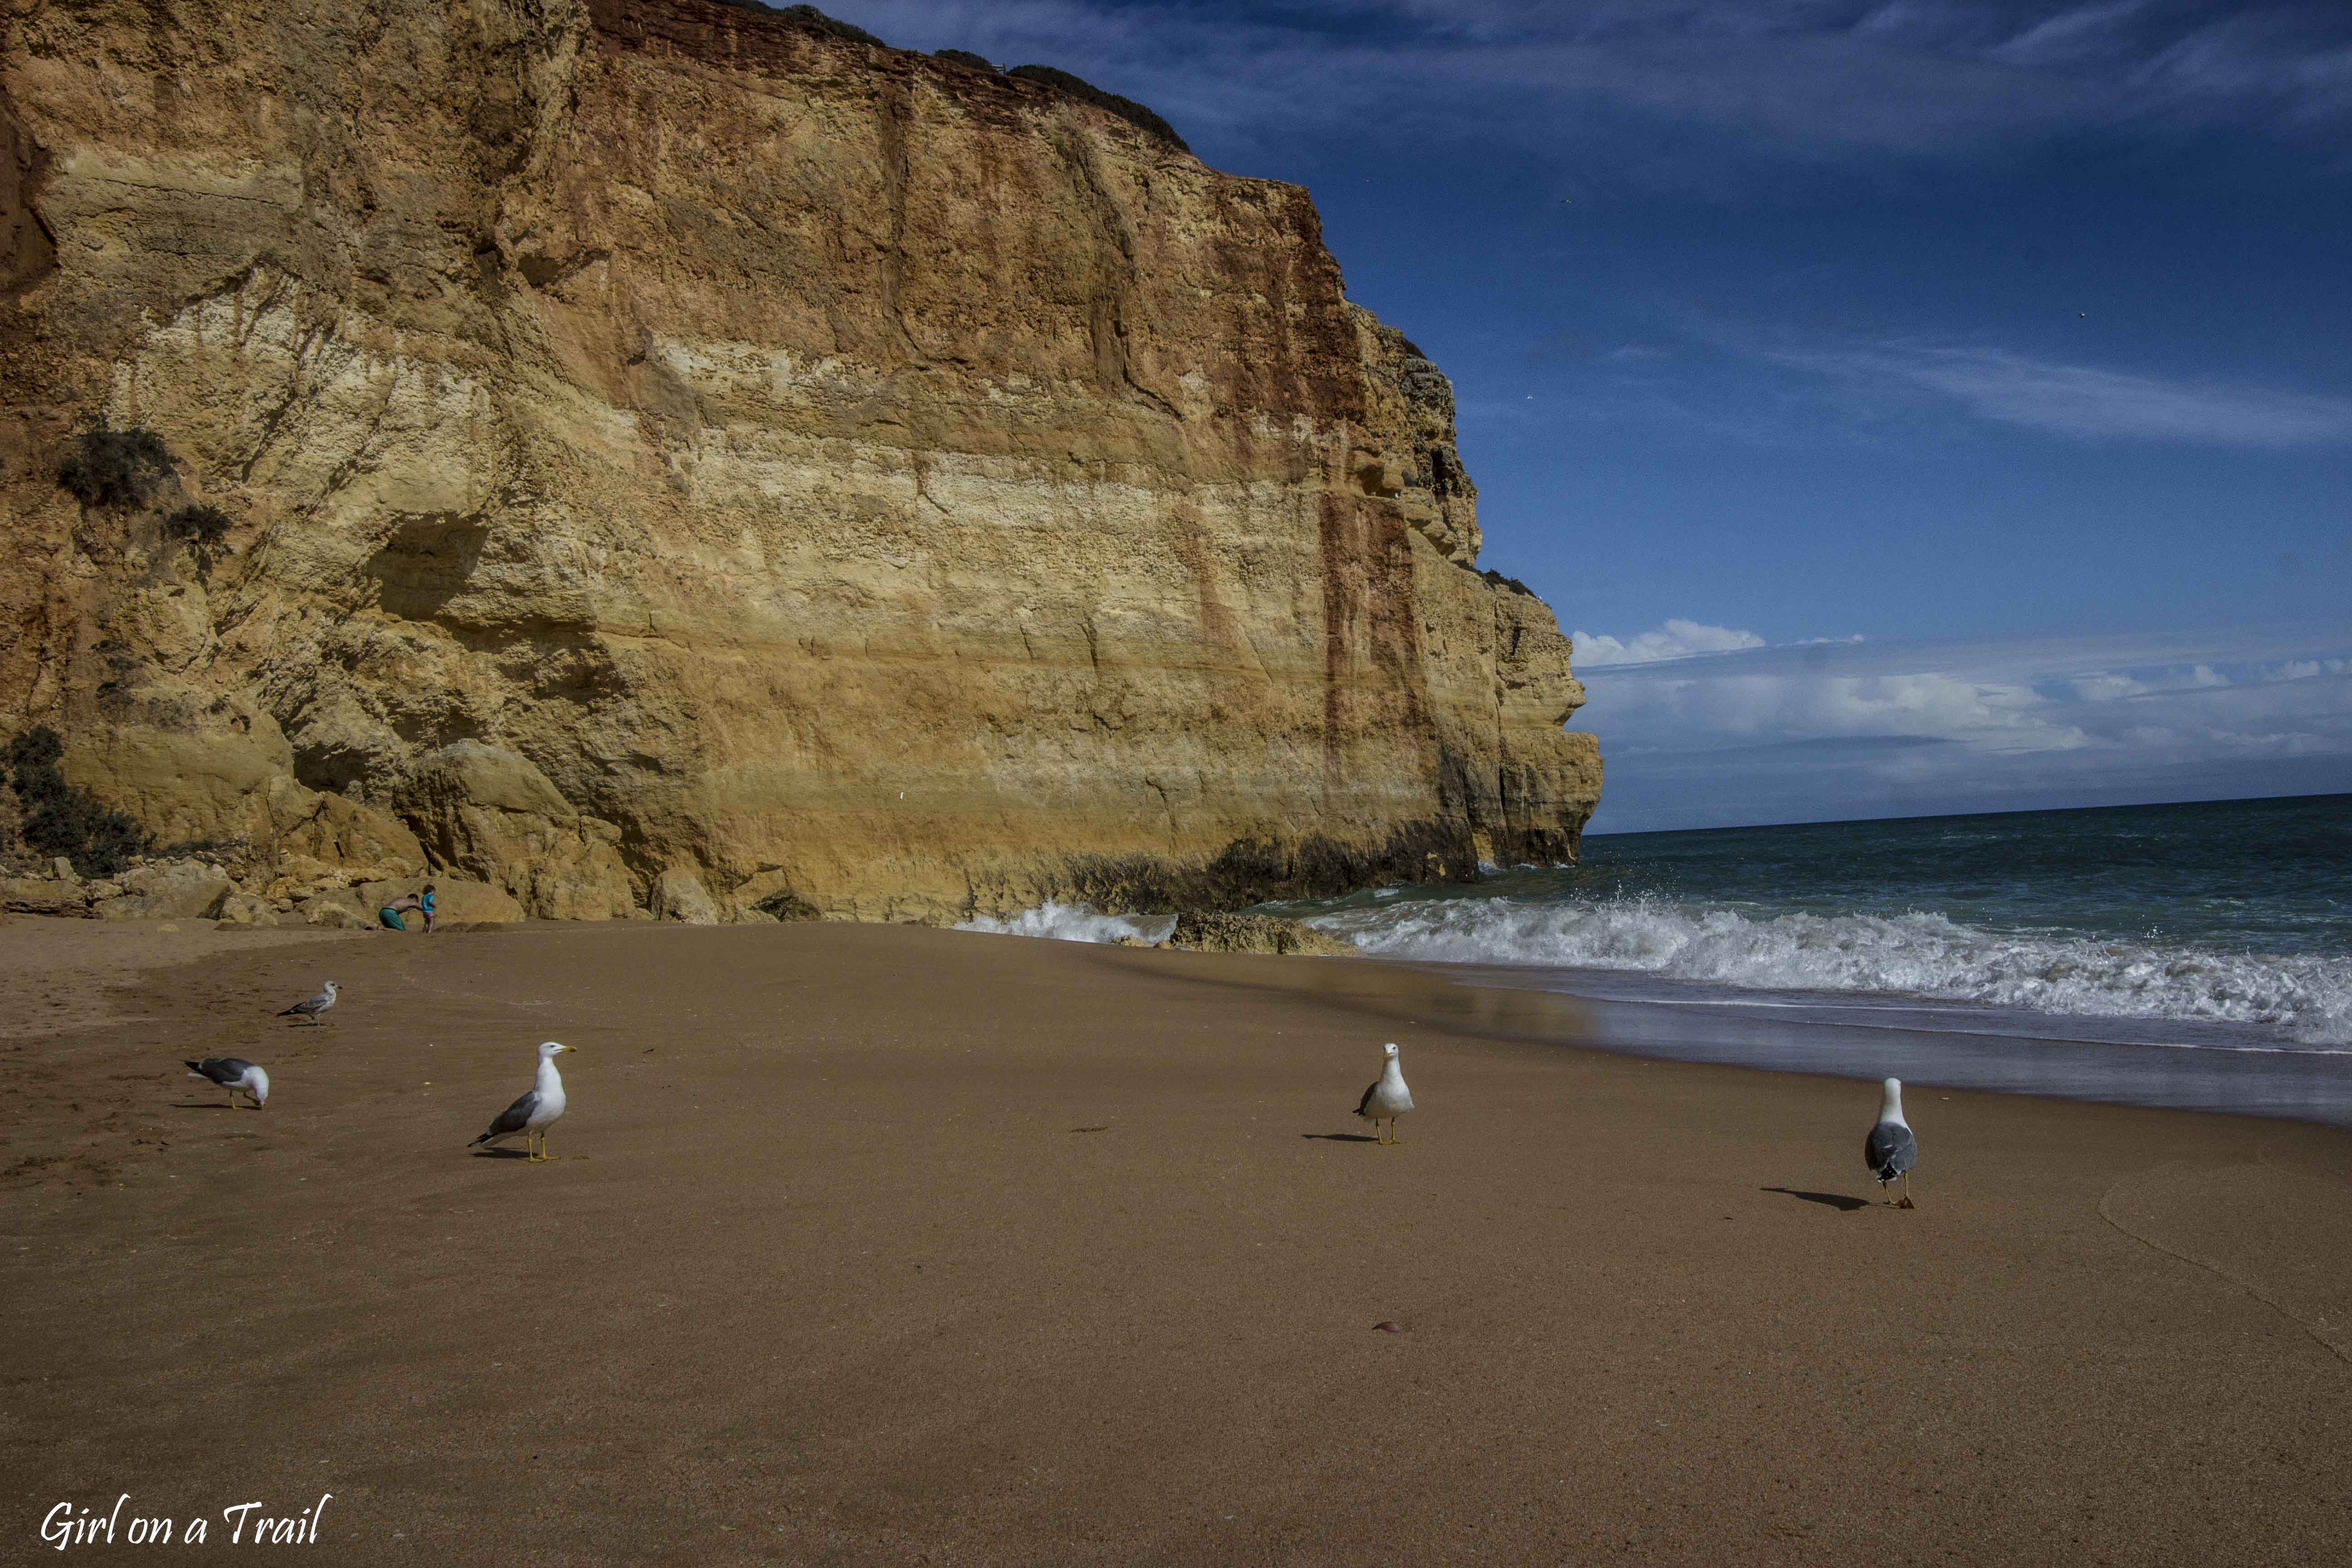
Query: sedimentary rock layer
[[675, 458]]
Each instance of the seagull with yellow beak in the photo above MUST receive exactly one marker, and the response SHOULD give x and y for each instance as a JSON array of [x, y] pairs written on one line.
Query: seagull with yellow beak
[[535, 1112], [1387, 1098]]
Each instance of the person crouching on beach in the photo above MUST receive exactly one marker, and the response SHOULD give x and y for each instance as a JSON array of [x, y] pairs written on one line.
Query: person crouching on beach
[[389, 916]]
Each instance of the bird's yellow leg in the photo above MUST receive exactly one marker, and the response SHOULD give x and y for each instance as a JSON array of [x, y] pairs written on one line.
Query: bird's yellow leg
[[1906, 1202]]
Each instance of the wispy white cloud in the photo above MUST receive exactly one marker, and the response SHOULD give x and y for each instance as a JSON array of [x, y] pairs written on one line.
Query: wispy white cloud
[[2076, 35], [1676, 93], [1819, 732], [2086, 402]]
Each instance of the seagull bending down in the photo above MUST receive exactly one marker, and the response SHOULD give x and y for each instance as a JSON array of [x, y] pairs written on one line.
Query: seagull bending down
[[233, 1074], [1387, 1098], [1890, 1151], [535, 1112], [312, 1007]]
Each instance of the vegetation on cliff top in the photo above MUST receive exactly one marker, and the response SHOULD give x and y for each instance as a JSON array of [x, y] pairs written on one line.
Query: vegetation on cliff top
[[811, 17], [66, 819], [1127, 108], [815, 20]]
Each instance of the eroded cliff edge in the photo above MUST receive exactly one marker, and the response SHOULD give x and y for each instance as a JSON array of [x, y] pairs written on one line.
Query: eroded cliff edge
[[667, 449]]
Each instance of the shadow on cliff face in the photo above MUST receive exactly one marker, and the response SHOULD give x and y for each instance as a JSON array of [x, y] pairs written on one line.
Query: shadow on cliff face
[[1257, 872], [427, 562], [29, 252]]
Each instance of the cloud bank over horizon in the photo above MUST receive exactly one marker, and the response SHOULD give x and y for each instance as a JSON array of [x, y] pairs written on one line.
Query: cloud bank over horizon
[[1746, 734]]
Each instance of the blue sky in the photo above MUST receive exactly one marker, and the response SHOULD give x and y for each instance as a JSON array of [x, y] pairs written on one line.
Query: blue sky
[[2013, 340]]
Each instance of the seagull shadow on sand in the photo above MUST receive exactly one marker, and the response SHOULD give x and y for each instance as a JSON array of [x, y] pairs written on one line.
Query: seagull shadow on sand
[[500, 1154], [1342, 1137], [203, 1105], [1845, 1203]]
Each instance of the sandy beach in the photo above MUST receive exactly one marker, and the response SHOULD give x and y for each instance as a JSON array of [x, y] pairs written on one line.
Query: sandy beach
[[872, 1244]]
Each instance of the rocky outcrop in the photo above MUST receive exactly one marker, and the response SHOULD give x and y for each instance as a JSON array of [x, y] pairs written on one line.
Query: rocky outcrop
[[181, 889], [1210, 931], [490, 813], [177, 887], [680, 896], [658, 444]]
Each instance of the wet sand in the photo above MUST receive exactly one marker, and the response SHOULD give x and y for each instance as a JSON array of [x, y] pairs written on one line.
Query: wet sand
[[886, 1244]]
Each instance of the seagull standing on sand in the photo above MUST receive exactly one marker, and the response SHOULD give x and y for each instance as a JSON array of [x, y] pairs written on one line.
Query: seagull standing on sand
[[534, 1112], [233, 1074], [1890, 1151], [312, 1007], [1387, 1098]]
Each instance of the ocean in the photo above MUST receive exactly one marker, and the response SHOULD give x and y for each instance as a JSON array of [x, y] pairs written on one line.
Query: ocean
[[2195, 956]]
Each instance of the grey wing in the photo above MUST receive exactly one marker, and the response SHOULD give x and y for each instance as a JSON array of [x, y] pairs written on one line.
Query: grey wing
[[1890, 1150], [308, 1005], [1364, 1106], [222, 1070], [515, 1118]]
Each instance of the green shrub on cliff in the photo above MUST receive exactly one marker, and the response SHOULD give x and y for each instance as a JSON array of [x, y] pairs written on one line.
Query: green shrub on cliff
[[201, 526], [815, 20], [1127, 108], [965, 57], [66, 819], [203, 529], [116, 467]]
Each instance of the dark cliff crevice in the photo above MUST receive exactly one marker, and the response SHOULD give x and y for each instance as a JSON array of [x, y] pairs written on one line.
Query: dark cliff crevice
[[29, 252], [891, 114], [1116, 292]]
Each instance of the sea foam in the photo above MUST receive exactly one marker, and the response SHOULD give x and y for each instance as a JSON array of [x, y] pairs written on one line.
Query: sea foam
[[2307, 997], [1074, 922]]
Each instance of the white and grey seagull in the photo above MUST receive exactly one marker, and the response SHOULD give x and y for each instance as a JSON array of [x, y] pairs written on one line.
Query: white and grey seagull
[[312, 1007], [1890, 1151], [534, 1112], [1387, 1098], [236, 1075]]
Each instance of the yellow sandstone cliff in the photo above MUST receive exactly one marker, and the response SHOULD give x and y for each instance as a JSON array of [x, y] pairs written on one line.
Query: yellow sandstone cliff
[[678, 460]]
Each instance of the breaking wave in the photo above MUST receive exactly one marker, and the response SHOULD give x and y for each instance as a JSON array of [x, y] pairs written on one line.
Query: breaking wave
[[1074, 922], [2307, 996]]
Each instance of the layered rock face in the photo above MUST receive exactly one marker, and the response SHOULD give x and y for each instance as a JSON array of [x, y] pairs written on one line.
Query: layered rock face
[[677, 460]]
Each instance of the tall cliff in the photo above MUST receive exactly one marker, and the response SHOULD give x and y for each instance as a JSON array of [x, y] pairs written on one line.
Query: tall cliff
[[662, 444]]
